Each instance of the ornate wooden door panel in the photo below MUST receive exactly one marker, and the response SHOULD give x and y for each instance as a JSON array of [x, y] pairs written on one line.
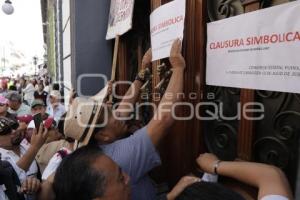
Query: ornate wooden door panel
[[184, 142], [181, 147], [221, 134], [277, 135], [274, 139]]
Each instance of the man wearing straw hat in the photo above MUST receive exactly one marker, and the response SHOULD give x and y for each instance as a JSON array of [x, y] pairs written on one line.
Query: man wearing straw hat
[[92, 121]]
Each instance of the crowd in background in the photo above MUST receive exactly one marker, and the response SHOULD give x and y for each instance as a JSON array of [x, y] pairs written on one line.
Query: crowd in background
[[21, 99], [19, 95], [71, 157]]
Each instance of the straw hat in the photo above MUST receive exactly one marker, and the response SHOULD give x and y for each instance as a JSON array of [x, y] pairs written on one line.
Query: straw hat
[[82, 117]]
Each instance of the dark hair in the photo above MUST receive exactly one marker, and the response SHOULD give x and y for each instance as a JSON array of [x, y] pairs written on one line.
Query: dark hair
[[7, 125], [40, 83], [12, 88], [77, 179], [55, 86], [46, 82], [208, 191]]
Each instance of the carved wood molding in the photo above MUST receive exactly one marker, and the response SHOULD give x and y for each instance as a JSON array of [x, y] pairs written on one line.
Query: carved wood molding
[[246, 130], [185, 140], [155, 79], [122, 64], [197, 74], [247, 3]]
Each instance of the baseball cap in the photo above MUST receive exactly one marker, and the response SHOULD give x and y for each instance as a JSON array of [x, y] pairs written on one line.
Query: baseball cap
[[25, 118], [56, 94], [37, 102], [7, 125], [14, 96]]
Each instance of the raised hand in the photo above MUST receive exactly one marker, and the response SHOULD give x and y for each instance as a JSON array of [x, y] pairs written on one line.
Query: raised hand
[[39, 138], [30, 186], [176, 58], [147, 59]]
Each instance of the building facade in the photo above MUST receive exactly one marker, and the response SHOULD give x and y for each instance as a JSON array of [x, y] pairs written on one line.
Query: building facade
[[80, 48]]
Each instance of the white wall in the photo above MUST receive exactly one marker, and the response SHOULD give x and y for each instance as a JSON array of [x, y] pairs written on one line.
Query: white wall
[[66, 47]]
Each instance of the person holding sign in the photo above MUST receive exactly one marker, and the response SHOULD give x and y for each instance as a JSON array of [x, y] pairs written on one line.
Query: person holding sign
[[136, 155]]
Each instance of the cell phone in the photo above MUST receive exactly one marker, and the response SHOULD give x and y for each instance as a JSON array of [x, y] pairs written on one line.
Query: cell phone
[[37, 118]]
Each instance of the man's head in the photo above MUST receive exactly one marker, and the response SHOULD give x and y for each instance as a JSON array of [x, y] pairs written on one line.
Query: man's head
[[46, 82], [15, 100], [40, 86], [112, 129], [38, 106], [9, 135], [89, 174], [22, 81], [3, 105], [86, 116], [54, 97]]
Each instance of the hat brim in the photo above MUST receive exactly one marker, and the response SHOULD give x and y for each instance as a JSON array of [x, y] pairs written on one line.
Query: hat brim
[[100, 99], [33, 106]]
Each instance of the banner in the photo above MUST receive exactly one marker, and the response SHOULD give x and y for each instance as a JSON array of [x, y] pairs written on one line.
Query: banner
[[120, 18], [166, 25], [258, 50]]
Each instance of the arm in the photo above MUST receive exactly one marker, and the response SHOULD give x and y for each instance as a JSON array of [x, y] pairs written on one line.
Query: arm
[[268, 179], [163, 119], [37, 140], [183, 183], [30, 186], [127, 104], [131, 97], [46, 192]]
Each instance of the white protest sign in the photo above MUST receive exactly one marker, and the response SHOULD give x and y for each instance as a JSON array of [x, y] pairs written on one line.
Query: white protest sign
[[120, 18], [258, 50], [166, 25]]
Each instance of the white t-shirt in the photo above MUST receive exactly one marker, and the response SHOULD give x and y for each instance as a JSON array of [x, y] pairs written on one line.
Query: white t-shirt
[[29, 93], [54, 163], [23, 110], [13, 158], [57, 112], [274, 197]]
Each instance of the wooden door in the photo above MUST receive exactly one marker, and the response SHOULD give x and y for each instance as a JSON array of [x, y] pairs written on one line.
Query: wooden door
[[273, 140]]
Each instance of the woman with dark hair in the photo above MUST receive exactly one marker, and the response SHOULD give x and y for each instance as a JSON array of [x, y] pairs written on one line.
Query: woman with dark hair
[[270, 181]]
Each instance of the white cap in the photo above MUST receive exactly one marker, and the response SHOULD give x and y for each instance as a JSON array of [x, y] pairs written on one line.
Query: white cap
[[55, 94]]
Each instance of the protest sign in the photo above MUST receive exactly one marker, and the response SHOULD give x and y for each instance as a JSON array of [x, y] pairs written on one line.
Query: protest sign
[[120, 18], [257, 50], [166, 25]]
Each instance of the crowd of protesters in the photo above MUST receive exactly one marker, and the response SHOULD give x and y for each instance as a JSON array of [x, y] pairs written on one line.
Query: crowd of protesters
[[84, 152]]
